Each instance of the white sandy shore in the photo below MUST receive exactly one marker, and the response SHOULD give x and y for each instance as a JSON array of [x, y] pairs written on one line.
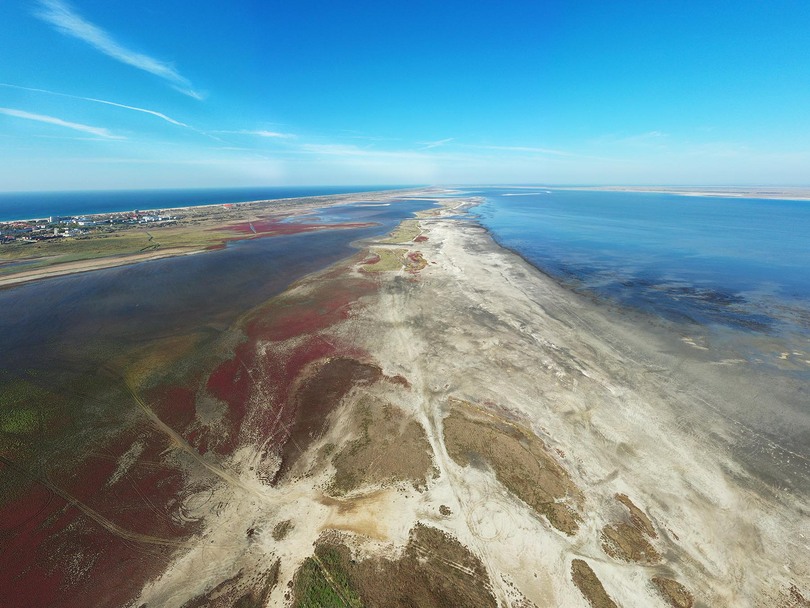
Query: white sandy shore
[[89, 265], [776, 193], [262, 208], [481, 325]]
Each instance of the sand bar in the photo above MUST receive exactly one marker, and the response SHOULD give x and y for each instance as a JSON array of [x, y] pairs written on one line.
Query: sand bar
[[797, 193]]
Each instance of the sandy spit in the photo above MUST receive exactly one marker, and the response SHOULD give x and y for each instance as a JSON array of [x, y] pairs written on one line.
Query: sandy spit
[[480, 326]]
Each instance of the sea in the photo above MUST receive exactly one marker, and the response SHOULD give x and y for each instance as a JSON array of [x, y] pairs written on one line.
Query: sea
[[722, 285], [35, 205], [711, 261]]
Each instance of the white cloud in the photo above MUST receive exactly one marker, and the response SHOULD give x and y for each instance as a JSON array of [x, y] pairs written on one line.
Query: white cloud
[[270, 134], [526, 149], [261, 133], [435, 144], [137, 109], [67, 21], [98, 131], [103, 101]]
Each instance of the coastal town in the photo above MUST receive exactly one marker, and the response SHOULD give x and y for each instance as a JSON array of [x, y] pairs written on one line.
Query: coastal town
[[58, 227]]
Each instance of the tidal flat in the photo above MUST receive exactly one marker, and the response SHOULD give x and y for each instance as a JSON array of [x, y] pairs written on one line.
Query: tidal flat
[[422, 419]]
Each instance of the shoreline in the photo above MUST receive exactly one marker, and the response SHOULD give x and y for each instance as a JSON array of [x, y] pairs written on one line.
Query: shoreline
[[266, 209], [89, 266], [233, 204]]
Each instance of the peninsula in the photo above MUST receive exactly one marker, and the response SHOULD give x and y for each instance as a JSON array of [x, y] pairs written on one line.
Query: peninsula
[[430, 421]]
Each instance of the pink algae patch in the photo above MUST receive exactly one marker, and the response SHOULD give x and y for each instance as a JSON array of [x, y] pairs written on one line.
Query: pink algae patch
[[287, 319], [55, 554], [282, 339], [175, 406]]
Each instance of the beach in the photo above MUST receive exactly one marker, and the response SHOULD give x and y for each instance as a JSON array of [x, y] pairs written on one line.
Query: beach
[[432, 419]]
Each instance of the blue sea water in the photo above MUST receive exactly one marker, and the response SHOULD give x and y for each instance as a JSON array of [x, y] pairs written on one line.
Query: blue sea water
[[26, 205], [730, 262]]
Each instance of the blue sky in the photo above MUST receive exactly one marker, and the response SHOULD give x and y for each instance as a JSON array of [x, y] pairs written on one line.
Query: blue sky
[[150, 94]]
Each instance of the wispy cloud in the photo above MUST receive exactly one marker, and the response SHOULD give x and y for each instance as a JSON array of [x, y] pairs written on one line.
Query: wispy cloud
[[648, 138], [261, 133], [66, 20], [428, 145], [103, 101], [98, 131], [339, 150], [525, 149]]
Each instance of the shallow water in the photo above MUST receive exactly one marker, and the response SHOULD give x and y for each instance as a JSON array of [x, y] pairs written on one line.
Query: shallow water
[[81, 318], [721, 285], [739, 263]]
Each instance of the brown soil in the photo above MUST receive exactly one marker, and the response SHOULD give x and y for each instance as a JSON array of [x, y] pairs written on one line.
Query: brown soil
[[626, 542], [675, 593], [317, 394], [435, 571], [637, 517], [281, 529], [240, 591], [391, 447], [791, 597], [797, 600], [590, 586], [519, 459], [414, 262]]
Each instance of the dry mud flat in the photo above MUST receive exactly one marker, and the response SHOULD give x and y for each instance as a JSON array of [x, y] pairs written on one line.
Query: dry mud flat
[[434, 423]]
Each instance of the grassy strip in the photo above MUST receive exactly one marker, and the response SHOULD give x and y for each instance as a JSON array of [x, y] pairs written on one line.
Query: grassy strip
[[390, 259], [406, 232], [20, 257], [322, 582]]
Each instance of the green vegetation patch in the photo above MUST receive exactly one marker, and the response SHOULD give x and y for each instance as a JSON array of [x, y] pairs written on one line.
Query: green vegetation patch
[[406, 232], [17, 391], [589, 584], [390, 259], [520, 460], [106, 244], [22, 405], [323, 582], [20, 421]]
